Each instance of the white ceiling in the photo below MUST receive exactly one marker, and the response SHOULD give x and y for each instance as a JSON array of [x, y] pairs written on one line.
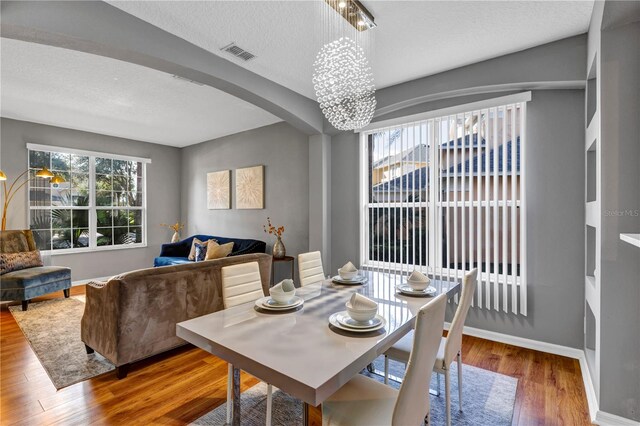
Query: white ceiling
[[413, 38], [76, 90]]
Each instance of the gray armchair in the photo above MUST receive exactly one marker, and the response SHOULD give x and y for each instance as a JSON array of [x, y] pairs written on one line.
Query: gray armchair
[[25, 284]]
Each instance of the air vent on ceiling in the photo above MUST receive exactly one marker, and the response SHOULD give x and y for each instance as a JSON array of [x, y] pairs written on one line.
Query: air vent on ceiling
[[238, 52]]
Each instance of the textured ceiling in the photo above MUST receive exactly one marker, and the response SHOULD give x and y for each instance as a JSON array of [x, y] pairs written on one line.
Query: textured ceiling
[[92, 93], [413, 39]]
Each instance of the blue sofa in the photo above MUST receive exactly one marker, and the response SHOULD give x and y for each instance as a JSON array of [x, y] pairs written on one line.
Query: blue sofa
[[178, 253]]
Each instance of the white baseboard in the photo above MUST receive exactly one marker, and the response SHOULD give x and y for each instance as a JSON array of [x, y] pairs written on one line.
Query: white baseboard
[[598, 417], [607, 419]]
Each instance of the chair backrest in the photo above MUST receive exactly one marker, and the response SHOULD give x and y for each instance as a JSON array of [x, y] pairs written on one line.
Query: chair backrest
[[16, 241], [310, 268], [454, 337], [241, 284], [412, 404]]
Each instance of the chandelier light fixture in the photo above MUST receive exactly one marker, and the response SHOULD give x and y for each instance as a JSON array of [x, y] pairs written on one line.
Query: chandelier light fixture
[[342, 77]]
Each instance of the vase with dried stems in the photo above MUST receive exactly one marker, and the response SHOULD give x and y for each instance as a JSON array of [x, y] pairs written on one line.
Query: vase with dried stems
[[176, 228], [279, 250]]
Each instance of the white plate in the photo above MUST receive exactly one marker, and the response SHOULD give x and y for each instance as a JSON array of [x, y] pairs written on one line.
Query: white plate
[[270, 304], [333, 320], [406, 289], [344, 319], [359, 279]]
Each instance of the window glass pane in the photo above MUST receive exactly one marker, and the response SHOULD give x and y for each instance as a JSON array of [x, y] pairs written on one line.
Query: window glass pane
[[103, 183], [60, 218], [43, 239], [120, 167], [136, 234], [135, 217], [120, 183], [80, 238], [40, 197], [103, 166], [39, 159], [103, 198], [104, 236], [60, 197], [40, 219], [80, 218], [80, 198], [122, 236], [60, 161], [104, 218], [79, 164], [61, 239], [120, 218], [135, 199], [80, 182]]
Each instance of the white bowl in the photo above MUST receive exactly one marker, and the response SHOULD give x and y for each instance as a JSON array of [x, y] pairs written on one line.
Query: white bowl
[[361, 315], [347, 275], [282, 297], [418, 285]]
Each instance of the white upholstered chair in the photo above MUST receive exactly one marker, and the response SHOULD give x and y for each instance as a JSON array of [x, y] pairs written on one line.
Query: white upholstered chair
[[241, 284], [450, 346], [364, 401], [310, 268]]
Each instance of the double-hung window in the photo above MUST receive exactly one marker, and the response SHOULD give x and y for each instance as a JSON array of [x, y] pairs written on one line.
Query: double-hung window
[[100, 204], [442, 193]]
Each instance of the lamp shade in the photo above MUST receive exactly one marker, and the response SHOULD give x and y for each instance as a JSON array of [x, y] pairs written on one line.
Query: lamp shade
[[44, 173], [57, 179], [2, 175]]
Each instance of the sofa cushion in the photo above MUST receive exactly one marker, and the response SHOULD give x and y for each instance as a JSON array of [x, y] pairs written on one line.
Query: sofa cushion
[[192, 252], [217, 251], [16, 240], [201, 251], [168, 261], [18, 261], [33, 277]]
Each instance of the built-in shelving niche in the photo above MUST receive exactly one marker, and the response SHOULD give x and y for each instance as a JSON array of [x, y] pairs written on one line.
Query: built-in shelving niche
[[590, 338], [592, 91], [591, 251], [592, 174]]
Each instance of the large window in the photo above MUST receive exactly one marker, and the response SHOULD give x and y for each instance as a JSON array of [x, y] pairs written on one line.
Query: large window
[[443, 194], [99, 205]]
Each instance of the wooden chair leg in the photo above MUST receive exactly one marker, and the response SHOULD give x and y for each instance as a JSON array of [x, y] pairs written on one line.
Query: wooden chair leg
[[122, 371], [25, 305], [67, 292], [88, 349], [447, 392]]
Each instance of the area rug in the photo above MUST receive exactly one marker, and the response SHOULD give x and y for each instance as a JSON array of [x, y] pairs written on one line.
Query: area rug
[[52, 328], [488, 399]]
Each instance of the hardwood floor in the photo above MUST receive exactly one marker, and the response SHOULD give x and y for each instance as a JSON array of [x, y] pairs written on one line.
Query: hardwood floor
[[179, 386]]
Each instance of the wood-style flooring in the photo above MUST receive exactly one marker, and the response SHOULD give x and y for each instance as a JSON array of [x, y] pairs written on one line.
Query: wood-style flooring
[[179, 386]]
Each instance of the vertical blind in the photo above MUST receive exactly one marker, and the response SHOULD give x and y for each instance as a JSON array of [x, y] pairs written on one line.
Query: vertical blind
[[444, 195]]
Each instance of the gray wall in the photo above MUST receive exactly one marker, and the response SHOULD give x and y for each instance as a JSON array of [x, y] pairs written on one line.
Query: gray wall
[[620, 180], [284, 151], [163, 198], [555, 240]]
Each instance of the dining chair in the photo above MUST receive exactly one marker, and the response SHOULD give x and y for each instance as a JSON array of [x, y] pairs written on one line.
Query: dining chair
[[450, 346], [310, 268], [364, 401], [241, 283]]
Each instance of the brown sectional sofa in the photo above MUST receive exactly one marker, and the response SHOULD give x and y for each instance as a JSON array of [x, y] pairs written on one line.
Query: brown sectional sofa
[[134, 315]]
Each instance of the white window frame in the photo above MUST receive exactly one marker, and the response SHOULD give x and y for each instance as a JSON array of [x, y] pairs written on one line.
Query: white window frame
[[92, 208], [498, 280]]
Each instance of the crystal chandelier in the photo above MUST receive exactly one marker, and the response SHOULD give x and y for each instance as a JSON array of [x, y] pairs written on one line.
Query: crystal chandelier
[[342, 77]]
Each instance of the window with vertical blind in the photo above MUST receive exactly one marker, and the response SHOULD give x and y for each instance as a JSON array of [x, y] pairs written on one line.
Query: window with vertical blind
[[443, 193], [100, 205]]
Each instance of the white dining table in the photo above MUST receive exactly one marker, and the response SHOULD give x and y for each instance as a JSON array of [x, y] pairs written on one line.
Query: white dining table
[[299, 352]]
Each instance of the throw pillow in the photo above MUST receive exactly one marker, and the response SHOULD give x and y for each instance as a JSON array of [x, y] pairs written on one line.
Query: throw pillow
[[201, 251], [21, 260], [192, 252], [216, 251]]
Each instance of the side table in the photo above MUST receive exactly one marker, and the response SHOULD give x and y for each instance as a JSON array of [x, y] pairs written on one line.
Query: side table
[[275, 260]]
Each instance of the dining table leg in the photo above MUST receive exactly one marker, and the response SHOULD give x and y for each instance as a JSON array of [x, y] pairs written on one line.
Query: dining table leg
[[236, 397], [305, 414]]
